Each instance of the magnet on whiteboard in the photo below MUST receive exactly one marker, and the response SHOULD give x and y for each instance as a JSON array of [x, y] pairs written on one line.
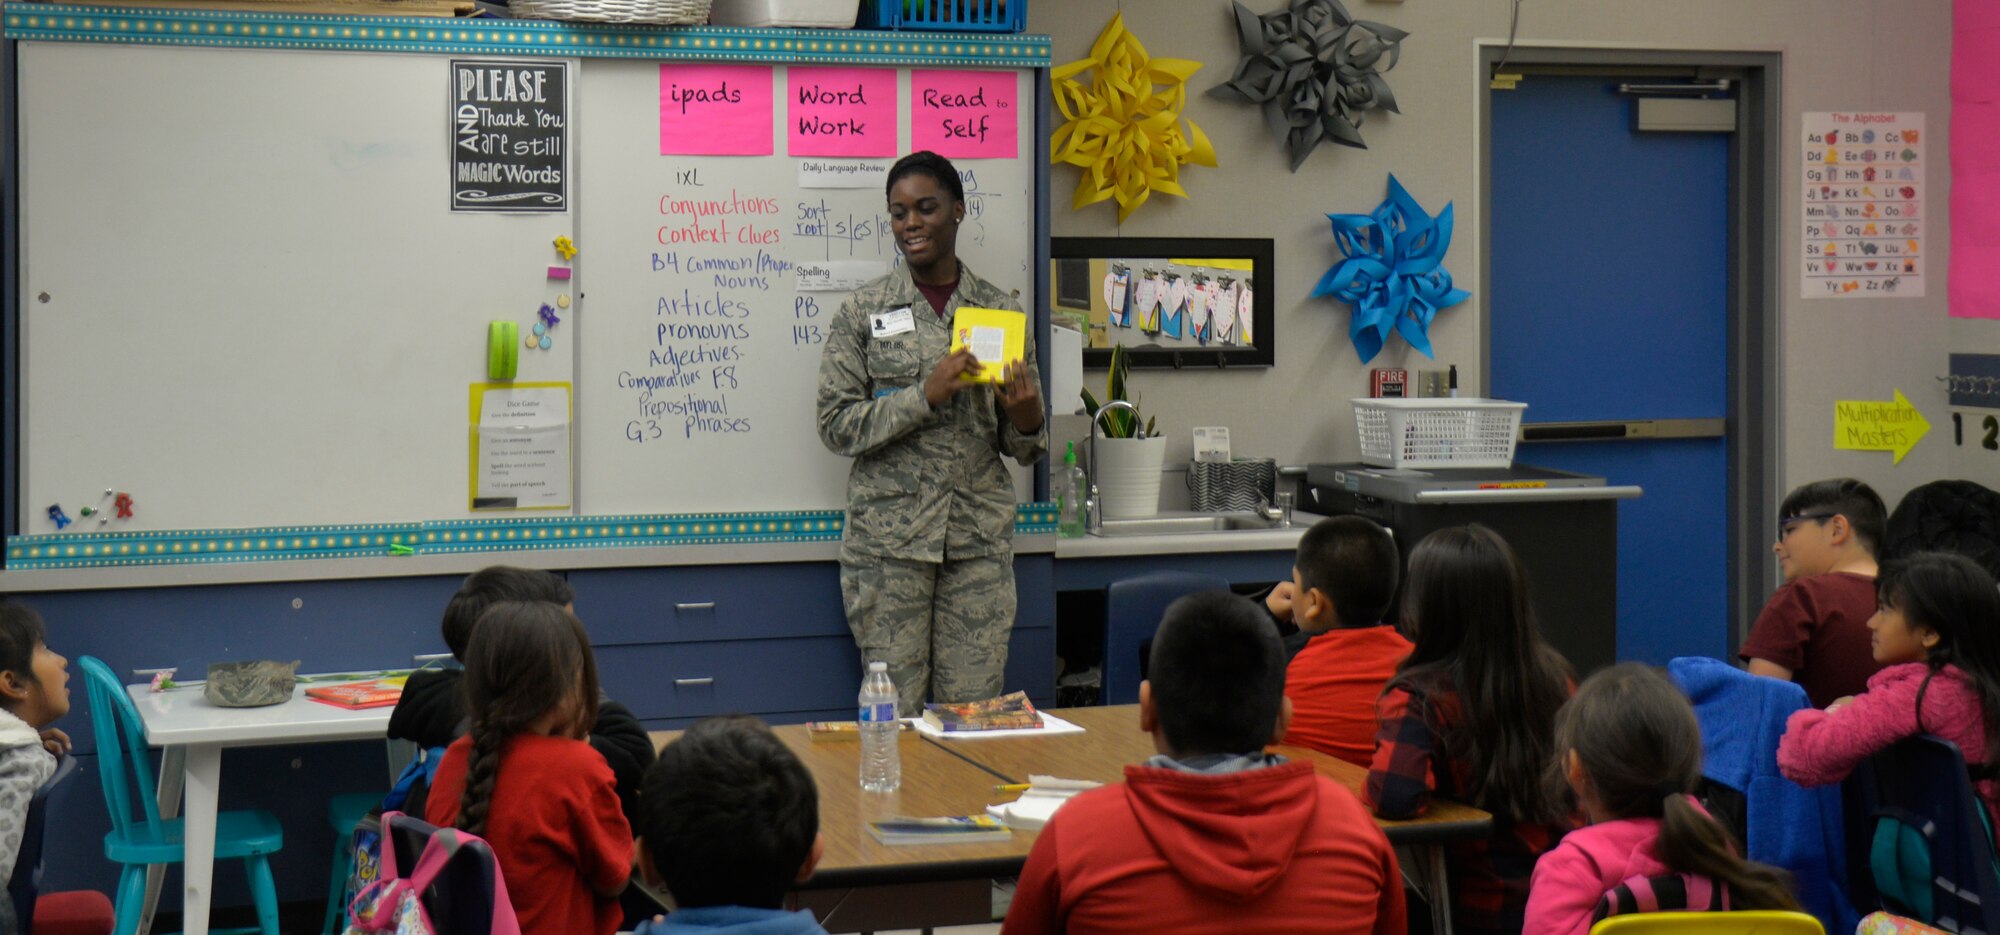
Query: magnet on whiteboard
[[546, 342], [558, 272], [502, 355], [562, 301]]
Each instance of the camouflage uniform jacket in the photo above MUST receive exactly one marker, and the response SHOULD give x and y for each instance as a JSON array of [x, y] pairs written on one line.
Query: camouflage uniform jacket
[[926, 484]]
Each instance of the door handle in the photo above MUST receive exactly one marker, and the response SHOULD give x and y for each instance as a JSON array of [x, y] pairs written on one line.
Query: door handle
[[693, 683], [1531, 494], [1614, 430]]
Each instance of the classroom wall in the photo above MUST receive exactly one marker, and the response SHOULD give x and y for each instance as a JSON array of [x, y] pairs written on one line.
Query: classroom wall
[[1839, 55]]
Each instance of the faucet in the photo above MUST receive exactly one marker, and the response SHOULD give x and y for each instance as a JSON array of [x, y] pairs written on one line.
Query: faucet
[[1093, 505]]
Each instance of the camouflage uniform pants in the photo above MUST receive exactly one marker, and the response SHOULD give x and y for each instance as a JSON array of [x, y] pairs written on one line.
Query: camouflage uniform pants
[[941, 626]]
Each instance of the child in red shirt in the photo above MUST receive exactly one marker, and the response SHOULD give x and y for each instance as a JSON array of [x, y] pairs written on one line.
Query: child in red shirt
[[1814, 629], [1342, 581], [525, 780]]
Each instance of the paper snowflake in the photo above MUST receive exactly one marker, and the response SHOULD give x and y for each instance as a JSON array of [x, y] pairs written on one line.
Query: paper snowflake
[[1316, 70], [1393, 272], [1125, 127]]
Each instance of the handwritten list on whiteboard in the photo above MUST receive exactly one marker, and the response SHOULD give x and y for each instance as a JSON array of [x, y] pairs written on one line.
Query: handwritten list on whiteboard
[[1864, 205]]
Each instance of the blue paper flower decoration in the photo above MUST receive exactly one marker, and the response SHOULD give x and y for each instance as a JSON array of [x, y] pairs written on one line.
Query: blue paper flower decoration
[[1394, 273]]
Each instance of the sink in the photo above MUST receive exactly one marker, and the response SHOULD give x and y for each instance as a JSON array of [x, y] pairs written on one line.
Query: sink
[[1175, 523]]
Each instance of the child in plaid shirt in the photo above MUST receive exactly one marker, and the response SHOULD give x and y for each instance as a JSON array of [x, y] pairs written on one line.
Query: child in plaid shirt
[[1470, 715]]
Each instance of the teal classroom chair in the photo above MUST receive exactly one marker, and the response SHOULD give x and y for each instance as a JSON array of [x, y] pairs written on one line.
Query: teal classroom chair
[[139, 837], [343, 812]]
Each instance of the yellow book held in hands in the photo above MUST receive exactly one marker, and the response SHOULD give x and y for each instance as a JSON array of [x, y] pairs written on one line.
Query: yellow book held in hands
[[997, 337]]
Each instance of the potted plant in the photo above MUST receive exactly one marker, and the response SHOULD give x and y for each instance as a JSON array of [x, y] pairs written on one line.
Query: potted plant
[[1127, 459]]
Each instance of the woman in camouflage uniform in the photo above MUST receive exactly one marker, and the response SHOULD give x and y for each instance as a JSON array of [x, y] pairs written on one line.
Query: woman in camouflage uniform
[[926, 563]]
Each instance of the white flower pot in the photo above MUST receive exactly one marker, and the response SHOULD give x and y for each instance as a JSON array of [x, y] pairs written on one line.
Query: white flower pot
[[1128, 476]]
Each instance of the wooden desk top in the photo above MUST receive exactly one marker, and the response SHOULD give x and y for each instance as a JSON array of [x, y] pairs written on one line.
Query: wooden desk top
[[1112, 740], [935, 783], [957, 777]]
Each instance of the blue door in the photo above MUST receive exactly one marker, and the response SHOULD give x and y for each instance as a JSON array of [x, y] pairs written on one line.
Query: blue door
[[1609, 281]]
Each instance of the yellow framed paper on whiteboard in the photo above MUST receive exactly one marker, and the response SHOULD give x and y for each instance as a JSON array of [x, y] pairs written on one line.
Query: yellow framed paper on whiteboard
[[520, 456]]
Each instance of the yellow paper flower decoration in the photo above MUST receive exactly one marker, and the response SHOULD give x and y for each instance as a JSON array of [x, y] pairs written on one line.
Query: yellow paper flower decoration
[[1124, 128]]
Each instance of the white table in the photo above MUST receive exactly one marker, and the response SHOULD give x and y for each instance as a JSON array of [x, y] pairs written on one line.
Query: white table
[[193, 734]]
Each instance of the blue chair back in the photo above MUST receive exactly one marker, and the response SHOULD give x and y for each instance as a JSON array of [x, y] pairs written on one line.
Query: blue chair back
[[1132, 611], [1924, 780], [26, 884], [122, 763]]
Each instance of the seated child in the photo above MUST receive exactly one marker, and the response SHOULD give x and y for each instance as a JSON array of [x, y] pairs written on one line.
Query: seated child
[[1814, 629], [1213, 834], [1342, 581], [1471, 715], [431, 712], [34, 692], [523, 778], [1937, 632], [1628, 748], [731, 821]]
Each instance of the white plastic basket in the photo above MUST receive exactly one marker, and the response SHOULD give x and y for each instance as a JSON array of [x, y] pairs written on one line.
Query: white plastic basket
[[651, 12], [1437, 433], [822, 14]]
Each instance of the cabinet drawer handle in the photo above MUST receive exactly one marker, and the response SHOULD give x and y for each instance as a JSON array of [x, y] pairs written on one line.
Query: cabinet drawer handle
[[699, 605], [693, 683]]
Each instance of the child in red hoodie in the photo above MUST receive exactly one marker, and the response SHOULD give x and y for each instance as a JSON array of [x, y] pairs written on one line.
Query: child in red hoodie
[[1213, 834]]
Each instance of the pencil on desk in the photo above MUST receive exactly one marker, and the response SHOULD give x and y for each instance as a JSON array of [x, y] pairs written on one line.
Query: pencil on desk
[[1014, 787]]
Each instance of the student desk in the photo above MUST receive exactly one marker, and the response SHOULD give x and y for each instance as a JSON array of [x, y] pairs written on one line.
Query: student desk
[[957, 778], [194, 733], [1112, 740]]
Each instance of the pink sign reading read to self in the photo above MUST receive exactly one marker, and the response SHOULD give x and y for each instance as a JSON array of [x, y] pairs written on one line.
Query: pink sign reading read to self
[[715, 110], [840, 111], [964, 114]]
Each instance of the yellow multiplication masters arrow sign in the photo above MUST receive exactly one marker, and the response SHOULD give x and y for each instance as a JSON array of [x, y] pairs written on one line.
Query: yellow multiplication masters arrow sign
[[1878, 425]]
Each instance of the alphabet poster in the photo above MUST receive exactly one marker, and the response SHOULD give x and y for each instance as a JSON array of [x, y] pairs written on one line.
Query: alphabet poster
[[1864, 205]]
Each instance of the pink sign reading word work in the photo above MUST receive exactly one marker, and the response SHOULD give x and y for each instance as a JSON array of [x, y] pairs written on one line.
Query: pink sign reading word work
[[964, 114], [840, 111], [715, 110]]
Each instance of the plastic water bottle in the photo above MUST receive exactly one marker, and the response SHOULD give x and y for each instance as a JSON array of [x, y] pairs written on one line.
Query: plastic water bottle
[[1070, 487], [881, 765]]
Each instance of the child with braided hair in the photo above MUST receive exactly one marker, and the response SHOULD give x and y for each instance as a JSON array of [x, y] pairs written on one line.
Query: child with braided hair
[[524, 779]]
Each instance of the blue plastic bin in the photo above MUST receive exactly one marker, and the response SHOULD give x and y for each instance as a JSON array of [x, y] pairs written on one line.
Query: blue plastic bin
[[946, 15]]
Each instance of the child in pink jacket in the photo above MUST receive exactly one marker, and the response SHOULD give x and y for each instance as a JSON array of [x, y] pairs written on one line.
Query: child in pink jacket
[[1937, 630], [1631, 752]]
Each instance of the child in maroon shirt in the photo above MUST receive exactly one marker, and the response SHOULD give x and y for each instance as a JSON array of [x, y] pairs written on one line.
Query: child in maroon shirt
[[1814, 629]]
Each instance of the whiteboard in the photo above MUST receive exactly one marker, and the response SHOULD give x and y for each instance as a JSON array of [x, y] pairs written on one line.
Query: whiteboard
[[260, 310], [735, 431]]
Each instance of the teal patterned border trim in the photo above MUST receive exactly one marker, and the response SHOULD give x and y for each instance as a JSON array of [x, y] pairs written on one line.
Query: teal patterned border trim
[[216, 546], [485, 36], [205, 546]]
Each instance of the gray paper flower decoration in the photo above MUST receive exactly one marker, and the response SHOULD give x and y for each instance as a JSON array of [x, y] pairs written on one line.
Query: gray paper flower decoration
[[1316, 70]]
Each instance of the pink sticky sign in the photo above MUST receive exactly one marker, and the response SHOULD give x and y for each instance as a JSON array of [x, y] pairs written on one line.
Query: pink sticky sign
[[840, 111], [965, 114], [715, 110]]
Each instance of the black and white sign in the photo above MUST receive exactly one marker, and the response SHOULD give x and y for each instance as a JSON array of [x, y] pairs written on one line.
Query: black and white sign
[[509, 136]]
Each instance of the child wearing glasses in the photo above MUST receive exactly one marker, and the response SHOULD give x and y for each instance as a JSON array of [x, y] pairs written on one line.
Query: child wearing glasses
[[1814, 629]]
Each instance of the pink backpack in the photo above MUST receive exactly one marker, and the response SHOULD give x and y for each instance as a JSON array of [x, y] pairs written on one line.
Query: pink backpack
[[455, 887]]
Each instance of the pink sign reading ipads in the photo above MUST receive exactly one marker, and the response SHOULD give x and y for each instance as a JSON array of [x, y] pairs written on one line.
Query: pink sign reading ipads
[[840, 111], [964, 114], [715, 110]]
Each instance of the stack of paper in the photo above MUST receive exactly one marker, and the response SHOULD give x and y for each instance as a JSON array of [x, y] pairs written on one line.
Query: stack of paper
[[1039, 802]]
